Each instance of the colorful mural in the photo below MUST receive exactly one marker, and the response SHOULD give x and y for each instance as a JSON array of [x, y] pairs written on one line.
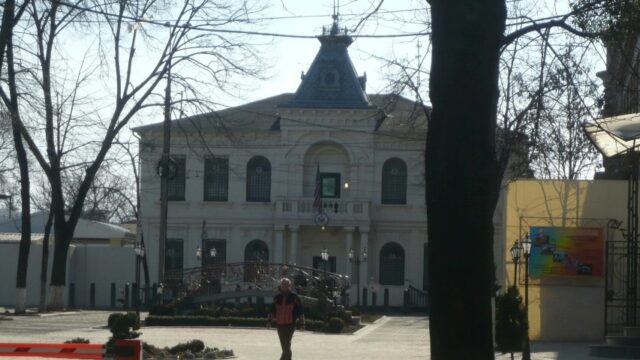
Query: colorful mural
[[566, 252]]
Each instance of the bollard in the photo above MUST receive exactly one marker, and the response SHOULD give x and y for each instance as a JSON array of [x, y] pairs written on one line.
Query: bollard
[[374, 299], [386, 298], [92, 295], [154, 293], [72, 295], [125, 303], [364, 297], [135, 293], [112, 302]]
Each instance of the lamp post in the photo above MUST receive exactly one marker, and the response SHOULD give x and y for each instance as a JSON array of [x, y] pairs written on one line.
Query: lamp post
[[516, 249], [324, 255], [526, 251], [357, 259], [139, 251]]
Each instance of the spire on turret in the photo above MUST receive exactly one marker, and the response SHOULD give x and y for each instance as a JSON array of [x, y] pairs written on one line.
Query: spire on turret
[[332, 81]]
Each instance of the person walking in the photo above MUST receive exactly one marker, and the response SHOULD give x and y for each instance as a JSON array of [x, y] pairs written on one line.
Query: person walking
[[286, 307]]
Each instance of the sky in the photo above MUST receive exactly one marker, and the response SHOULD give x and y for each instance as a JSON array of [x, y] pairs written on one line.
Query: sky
[[286, 58]]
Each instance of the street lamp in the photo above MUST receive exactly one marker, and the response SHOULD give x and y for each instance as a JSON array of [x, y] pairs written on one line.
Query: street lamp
[[139, 251], [212, 253], [516, 249], [526, 250], [324, 255], [354, 258]]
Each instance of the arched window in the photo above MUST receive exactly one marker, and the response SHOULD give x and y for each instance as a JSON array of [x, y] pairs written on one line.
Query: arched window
[[394, 182], [256, 257], [256, 250], [259, 179], [392, 264]]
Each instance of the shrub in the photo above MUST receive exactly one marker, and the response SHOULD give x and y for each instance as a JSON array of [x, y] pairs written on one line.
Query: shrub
[[162, 310], [123, 325], [511, 321], [311, 325], [335, 325], [77, 340], [355, 311], [212, 312], [193, 346]]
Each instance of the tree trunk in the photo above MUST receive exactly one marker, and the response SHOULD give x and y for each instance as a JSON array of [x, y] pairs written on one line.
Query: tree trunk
[[59, 269], [44, 263], [25, 236], [462, 176]]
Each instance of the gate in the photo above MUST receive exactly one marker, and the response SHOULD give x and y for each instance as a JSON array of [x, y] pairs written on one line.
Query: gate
[[622, 304]]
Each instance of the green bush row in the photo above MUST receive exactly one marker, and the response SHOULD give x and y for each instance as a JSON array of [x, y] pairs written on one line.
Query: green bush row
[[335, 324]]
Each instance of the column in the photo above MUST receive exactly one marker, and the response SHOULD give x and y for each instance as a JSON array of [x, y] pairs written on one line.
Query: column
[[293, 246], [278, 246], [364, 274]]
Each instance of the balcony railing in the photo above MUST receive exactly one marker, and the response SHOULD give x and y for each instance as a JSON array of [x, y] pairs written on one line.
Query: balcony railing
[[336, 209]]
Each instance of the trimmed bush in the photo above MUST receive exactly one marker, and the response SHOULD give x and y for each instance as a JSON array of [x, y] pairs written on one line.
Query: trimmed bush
[[77, 340], [311, 325], [123, 326], [335, 325], [193, 346]]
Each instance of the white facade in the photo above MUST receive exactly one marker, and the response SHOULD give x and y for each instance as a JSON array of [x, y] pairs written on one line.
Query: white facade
[[349, 141]]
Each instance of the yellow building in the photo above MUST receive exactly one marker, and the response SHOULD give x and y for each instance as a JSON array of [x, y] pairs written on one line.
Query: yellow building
[[562, 307]]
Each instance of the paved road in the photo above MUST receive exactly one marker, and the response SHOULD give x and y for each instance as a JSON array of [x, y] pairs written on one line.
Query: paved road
[[401, 338]]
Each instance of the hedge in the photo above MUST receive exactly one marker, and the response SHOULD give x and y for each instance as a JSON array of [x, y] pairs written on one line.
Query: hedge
[[311, 325]]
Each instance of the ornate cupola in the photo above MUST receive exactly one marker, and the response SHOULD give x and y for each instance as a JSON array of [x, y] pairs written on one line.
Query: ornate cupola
[[332, 81]]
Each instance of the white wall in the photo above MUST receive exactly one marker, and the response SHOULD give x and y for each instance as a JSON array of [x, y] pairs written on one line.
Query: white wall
[[100, 264]]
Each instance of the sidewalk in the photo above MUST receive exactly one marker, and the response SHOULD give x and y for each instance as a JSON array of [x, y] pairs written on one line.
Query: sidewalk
[[391, 337]]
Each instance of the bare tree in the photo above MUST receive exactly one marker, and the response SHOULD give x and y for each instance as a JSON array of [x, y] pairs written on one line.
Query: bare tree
[[10, 17], [201, 55]]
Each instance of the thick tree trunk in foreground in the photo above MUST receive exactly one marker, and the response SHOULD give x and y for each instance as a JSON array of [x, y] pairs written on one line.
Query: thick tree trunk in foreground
[[462, 175]]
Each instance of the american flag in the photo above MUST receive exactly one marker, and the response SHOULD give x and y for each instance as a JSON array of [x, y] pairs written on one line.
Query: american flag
[[317, 203]]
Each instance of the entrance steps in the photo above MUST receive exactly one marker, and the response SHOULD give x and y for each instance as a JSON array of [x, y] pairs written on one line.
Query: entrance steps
[[625, 346]]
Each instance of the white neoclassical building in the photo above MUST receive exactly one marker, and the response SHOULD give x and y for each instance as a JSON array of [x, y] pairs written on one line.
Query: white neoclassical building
[[248, 176]]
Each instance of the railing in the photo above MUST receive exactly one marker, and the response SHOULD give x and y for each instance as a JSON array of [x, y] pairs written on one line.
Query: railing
[[334, 208], [205, 282], [415, 298]]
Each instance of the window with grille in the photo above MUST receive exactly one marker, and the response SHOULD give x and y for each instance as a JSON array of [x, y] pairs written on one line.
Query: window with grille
[[216, 179], [173, 257], [176, 185], [392, 264], [394, 182], [259, 179]]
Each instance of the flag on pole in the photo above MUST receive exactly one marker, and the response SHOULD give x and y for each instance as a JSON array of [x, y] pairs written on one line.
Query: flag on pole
[[317, 203]]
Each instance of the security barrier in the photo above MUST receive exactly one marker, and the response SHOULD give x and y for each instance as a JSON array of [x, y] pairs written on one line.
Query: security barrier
[[123, 350]]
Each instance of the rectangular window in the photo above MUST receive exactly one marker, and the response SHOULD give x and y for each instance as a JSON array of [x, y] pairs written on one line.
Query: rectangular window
[[176, 184], [330, 185], [216, 179], [329, 265], [173, 257]]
